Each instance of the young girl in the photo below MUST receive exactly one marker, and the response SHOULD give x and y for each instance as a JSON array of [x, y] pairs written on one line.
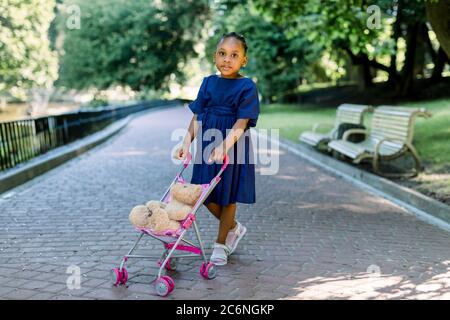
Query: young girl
[[229, 104]]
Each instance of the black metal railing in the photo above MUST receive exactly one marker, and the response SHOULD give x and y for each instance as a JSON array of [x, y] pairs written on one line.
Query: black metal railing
[[21, 140]]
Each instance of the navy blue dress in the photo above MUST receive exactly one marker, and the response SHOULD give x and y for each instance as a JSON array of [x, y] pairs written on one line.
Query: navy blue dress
[[220, 102]]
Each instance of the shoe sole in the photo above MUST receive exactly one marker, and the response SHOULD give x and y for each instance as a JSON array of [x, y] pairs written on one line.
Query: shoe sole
[[222, 263], [244, 231]]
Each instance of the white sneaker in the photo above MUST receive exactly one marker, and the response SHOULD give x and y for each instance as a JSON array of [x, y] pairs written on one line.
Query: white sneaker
[[234, 236], [220, 254]]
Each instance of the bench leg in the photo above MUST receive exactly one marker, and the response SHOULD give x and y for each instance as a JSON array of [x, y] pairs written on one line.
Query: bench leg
[[416, 158], [339, 156], [415, 172]]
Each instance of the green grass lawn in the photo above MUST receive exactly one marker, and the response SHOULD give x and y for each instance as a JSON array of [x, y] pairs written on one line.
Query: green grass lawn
[[431, 137], [291, 120]]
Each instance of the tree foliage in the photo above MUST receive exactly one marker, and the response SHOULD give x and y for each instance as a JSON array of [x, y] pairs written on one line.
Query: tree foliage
[[438, 13], [346, 26], [279, 56], [137, 43], [26, 59]]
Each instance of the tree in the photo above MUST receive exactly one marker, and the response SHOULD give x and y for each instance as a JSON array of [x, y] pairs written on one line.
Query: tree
[[438, 13], [343, 25], [26, 60], [335, 25], [278, 55], [130, 43]]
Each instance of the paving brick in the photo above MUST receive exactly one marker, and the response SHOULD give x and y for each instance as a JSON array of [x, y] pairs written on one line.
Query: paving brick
[[35, 285], [54, 288], [5, 290], [42, 296], [19, 294], [105, 294]]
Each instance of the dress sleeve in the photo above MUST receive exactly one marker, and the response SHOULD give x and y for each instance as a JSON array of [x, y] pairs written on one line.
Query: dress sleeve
[[197, 105], [249, 106]]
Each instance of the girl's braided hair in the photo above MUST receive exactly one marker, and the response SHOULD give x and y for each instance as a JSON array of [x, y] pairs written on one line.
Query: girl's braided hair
[[238, 36]]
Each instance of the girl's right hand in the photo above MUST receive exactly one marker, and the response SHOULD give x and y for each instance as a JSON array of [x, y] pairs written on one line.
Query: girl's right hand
[[181, 153]]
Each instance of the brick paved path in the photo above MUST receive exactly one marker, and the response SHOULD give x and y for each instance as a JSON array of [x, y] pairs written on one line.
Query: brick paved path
[[311, 235]]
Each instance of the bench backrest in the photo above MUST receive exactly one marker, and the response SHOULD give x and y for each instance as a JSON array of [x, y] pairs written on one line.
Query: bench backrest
[[351, 113], [395, 122]]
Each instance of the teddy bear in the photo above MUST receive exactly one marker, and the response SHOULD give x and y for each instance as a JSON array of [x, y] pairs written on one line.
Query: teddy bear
[[183, 197], [160, 216], [152, 216]]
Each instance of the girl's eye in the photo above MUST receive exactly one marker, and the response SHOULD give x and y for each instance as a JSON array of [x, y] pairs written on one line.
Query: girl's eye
[[233, 55]]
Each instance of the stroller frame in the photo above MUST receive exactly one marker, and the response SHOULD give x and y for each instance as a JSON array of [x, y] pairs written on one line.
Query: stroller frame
[[164, 284]]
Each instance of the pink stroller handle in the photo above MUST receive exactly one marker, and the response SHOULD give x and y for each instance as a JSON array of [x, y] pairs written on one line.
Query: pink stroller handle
[[226, 160], [188, 159], [217, 178]]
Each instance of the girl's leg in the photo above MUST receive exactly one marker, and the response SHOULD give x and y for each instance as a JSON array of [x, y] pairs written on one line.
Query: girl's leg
[[226, 222], [215, 209]]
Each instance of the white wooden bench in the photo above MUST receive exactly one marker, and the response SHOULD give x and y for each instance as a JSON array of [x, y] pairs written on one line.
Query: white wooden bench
[[391, 137], [346, 113]]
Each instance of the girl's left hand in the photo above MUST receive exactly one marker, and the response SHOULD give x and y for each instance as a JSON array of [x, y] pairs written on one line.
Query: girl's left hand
[[217, 155]]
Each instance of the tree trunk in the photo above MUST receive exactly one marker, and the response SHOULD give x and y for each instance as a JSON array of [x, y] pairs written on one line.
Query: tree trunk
[[407, 76], [366, 75], [419, 60], [439, 64], [439, 59], [2, 103], [438, 13], [396, 35]]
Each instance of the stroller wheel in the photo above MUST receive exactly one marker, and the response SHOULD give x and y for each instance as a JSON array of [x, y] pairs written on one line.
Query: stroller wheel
[[171, 283], [208, 271], [116, 276], [162, 287]]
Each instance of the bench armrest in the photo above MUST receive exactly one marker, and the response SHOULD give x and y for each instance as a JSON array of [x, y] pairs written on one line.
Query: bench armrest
[[349, 132], [423, 112], [376, 156], [316, 126], [379, 143]]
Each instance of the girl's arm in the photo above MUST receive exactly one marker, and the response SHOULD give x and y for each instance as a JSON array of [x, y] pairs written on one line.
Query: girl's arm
[[190, 136], [233, 136], [192, 131]]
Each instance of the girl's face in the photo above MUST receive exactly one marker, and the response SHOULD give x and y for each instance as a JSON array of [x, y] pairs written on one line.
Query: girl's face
[[230, 57]]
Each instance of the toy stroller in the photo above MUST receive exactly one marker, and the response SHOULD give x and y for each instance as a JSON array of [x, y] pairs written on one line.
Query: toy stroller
[[174, 241]]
